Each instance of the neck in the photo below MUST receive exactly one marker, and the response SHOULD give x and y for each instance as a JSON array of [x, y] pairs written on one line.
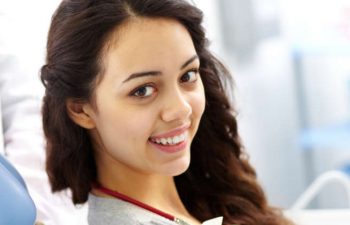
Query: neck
[[155, 190]]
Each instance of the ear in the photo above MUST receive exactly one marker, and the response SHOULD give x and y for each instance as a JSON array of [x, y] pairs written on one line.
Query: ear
[[81, 113]]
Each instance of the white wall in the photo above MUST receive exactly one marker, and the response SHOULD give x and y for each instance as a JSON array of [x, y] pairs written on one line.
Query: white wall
[[24, 25]]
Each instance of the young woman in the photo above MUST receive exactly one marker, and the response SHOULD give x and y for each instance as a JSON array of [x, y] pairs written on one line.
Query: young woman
[[137, 120]]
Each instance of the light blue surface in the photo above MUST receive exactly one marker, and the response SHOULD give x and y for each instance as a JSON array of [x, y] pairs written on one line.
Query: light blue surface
[[16, 205], [327, 137], [322, 48]]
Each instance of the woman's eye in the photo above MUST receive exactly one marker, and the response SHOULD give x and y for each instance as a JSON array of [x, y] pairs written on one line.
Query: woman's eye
[[189, 76], [144, 91]]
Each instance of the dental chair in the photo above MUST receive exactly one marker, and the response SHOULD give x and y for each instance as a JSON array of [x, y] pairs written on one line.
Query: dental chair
[[302, 216], [16, 205]]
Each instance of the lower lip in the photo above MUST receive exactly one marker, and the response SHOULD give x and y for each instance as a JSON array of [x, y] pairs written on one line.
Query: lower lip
[[170, 148]]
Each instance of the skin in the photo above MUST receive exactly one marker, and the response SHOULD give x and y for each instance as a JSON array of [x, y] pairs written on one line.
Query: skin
[[130, 109]]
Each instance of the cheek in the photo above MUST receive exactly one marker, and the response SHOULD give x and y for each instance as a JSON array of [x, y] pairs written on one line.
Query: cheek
[[115, 125], [132, 124], [123, 134], [198, 101]]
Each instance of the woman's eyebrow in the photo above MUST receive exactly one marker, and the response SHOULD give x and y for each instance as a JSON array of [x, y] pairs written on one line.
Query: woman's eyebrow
[[157, 73], [189, 61], [142, 74]]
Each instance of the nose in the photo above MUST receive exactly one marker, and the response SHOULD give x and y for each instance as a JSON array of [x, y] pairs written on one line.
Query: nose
[[176, 107]]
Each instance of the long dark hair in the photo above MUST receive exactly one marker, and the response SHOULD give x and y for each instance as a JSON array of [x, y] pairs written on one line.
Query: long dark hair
[[219, 181]]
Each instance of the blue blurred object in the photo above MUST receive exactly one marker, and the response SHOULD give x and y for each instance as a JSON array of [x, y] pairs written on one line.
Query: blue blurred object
[[346, 169], [16, 205], [327, 137]]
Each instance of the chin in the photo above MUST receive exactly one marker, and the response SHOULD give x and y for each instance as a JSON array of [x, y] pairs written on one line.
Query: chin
[[177, 167]]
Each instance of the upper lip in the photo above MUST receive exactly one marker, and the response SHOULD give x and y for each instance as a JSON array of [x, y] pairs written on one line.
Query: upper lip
[[171, 133]]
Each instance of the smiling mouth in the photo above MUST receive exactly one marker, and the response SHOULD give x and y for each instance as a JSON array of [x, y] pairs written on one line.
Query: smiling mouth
[[169, 141]]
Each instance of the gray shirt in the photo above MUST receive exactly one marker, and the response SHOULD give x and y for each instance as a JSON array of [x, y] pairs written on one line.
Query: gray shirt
[[111, 211]]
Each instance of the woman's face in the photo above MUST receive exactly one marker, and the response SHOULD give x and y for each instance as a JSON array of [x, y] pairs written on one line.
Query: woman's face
[[150, 99]]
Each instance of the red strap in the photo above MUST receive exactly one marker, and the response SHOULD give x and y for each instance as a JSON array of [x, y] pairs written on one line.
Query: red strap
[[120, 196]]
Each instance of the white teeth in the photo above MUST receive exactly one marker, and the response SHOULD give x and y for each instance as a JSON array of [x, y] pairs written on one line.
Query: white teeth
[[163, 141], [171, 140], [176, 139]]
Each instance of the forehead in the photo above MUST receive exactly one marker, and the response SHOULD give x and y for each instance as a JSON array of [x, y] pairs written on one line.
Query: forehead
[[149, 42]]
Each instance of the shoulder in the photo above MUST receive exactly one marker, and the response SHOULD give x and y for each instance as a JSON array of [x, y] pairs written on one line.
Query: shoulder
[[109, 211], [114, 211]]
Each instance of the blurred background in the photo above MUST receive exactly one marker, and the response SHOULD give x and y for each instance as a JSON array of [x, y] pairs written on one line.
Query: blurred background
[[291, 65]]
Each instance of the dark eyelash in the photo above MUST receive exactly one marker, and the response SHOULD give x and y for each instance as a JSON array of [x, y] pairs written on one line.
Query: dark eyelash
[[196, 70], [132, 93]]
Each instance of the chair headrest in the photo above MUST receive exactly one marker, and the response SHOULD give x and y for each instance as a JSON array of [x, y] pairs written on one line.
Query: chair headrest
[[16, 205]]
